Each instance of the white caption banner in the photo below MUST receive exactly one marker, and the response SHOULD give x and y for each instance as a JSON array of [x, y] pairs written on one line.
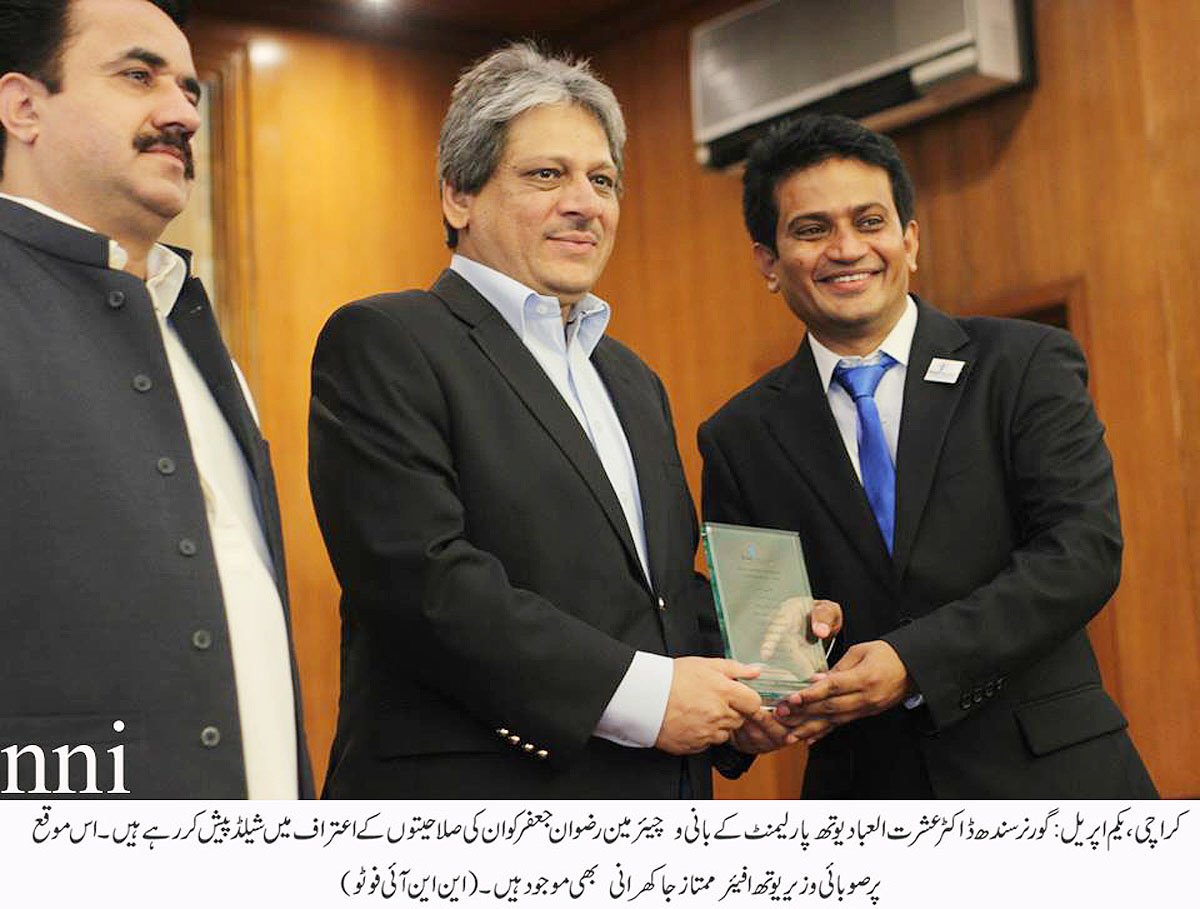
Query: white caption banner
[[463, 854]]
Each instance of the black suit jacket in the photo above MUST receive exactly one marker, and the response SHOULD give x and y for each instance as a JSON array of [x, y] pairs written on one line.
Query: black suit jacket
[[1007, 541], [108, 573], [492, 596]]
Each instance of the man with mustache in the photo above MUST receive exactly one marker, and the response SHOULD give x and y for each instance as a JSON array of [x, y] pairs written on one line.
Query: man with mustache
[[500, 490], [144, 609], [952, 489]]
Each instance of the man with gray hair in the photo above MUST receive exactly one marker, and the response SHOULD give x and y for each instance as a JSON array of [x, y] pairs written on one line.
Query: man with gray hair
[[500, 490]]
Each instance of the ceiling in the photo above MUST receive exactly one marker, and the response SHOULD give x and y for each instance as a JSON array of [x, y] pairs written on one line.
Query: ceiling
[[454, 24]]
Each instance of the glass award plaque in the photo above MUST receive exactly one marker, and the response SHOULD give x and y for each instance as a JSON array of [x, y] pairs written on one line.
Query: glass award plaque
[[763, 599]]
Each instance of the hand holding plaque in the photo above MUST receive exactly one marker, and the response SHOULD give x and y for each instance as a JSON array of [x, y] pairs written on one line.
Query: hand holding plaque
[[764, 605]]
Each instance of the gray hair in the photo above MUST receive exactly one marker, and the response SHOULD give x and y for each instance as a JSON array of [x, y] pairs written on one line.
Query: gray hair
[[500, 87]]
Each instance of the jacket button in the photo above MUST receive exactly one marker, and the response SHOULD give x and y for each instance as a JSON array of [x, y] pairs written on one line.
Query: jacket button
[[142, 382], [662, 605], [210, 736], [514, 740], [188, 547], [166, 466], [965, 702], [503, 733], [116, 299], [201, 639], [528, 747], [542, 754]]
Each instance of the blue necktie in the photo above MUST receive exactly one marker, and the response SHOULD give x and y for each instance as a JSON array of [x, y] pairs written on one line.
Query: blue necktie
[[878, 472]]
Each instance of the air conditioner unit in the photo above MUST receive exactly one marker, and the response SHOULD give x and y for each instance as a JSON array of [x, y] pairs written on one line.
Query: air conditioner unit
[[884, 62]]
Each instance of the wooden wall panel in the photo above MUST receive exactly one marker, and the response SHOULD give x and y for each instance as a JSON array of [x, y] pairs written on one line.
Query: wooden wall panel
[[1085, 181], [1166, 35], [343, 198]]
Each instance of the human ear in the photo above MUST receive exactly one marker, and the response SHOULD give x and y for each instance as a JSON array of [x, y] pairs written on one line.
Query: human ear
[[19, 97], [766, 260], [911, 243], [456, 206]]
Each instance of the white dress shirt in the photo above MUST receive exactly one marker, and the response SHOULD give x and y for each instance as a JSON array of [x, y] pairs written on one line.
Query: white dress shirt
[[635, 712], [253, 609], [889, 396]]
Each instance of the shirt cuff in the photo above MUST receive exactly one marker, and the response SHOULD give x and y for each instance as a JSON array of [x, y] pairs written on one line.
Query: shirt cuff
[[635, 712], [914, 701]]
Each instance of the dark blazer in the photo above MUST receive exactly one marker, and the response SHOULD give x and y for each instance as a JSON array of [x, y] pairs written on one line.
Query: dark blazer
[[1007, 542], [492, 598], [110, 603]]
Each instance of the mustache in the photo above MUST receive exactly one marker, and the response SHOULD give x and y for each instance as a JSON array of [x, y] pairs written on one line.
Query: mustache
[[172, 138]]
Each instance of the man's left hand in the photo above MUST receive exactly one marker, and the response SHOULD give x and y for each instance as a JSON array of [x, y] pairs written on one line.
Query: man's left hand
[[869, 679]]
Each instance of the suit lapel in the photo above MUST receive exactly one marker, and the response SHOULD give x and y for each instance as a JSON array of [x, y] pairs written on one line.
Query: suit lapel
[[642, 421], [928, 410], [801, 422], [197, 330], [521, 371]]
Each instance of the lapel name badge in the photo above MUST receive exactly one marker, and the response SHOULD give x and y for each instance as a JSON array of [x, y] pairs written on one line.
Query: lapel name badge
[[944, 371]]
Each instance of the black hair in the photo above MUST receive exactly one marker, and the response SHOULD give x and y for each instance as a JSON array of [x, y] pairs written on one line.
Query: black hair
[[802, 142]]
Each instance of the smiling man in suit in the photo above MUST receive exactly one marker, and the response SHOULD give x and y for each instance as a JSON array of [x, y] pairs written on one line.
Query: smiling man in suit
[[952, 489], [500, 490], [142, 583]]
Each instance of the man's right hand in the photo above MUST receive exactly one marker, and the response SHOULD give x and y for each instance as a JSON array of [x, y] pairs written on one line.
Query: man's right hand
[[706, 704]]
